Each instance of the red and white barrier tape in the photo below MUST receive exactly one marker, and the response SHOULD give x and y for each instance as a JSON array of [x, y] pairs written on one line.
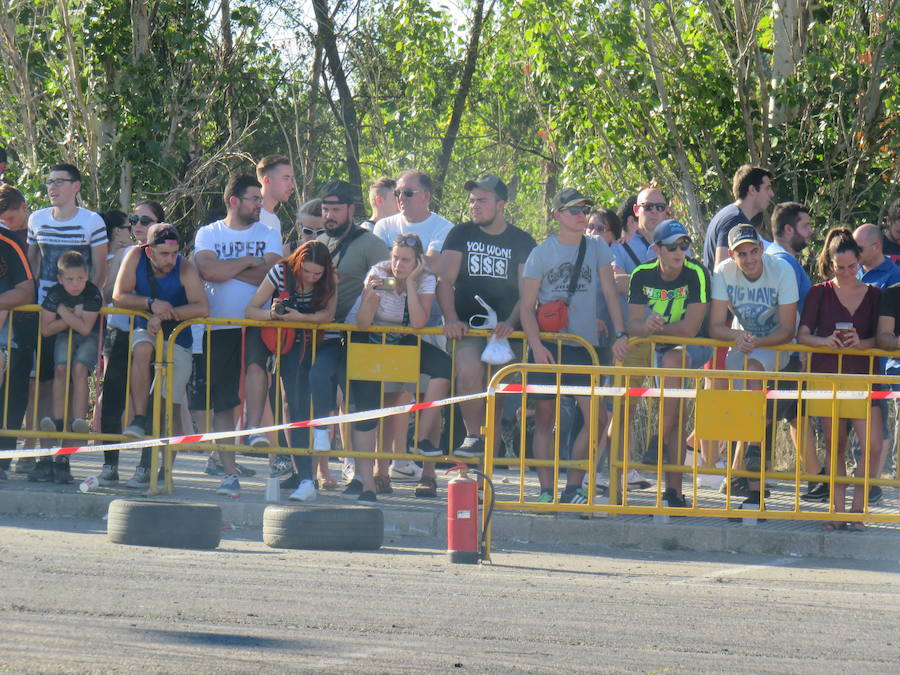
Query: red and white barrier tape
[[219, 435], [631, 392]]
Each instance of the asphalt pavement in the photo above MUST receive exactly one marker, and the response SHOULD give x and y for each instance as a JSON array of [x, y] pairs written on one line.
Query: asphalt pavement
[[73, 602]]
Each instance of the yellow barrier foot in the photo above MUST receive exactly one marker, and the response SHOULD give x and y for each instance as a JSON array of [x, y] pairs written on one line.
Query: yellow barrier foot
[[661, 518]]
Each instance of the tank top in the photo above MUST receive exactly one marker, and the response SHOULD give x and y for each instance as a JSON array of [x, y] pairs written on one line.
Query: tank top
[[168, 288]]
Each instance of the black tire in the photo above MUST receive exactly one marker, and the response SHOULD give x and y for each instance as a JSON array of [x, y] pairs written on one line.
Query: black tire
[[349, 528], [164, 524]]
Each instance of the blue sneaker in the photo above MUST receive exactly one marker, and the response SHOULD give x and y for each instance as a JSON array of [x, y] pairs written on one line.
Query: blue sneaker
[[230, 487]]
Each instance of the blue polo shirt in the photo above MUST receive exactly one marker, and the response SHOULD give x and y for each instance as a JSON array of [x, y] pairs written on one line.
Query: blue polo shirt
[[886, 274], [803, 281]]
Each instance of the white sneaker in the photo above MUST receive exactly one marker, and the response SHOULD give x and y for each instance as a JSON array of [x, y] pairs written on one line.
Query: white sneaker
[[636, 481], [348, 469], [258, 441], [305, 492], [405, 470], [321, 439], [600, 480]]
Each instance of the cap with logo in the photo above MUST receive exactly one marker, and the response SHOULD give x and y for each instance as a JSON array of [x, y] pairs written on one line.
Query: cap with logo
[[491, 183], [741, 234], [338, 192], [670, 231], [569, 197], [162, 233]]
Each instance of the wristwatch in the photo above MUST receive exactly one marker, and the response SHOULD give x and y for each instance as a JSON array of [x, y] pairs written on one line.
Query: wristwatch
[[150, 302], [621, 334]]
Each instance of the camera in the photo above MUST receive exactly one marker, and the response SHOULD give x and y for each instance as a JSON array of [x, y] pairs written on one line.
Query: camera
[[290, 302]]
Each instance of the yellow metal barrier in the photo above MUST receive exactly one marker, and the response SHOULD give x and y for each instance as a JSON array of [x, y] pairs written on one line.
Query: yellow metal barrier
[[365, 361], [32, 346], [731, 415]]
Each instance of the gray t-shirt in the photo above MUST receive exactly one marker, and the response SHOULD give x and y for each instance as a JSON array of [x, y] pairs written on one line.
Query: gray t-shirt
[[353, 263], [551, 263]]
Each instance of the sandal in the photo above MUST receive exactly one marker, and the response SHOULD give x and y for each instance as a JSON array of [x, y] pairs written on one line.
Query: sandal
[[427, 487], [855, 526], [383, 485], [834, 527]]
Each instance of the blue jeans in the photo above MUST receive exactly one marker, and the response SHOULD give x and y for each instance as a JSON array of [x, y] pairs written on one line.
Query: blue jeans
[[295, 378], [326, 374]]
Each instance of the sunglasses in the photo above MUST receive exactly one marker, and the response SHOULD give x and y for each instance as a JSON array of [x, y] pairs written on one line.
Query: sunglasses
[[671, 248], [405, 193], [123, 227], [167, 235], [578, 210], [309, 230], [408, 240], [143, 220], [600, 228], [649, 206]]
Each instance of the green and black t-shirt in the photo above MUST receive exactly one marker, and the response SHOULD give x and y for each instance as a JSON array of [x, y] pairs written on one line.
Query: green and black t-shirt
[[670, 298]]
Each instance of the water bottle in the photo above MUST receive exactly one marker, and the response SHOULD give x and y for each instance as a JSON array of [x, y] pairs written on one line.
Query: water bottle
[[273, 490], [89, 483]]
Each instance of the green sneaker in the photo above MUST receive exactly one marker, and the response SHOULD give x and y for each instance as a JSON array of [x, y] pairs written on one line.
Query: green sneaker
[[546, 497]]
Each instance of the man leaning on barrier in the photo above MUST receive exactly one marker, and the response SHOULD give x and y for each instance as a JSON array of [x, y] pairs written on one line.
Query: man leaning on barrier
[[761, 291], [483, 257], [669, 297], [156, 279], [548, 275]]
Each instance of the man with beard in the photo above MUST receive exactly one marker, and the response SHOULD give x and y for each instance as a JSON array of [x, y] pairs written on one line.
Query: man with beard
[[353, 251], [155, 278], [483, 258], [233, 256], [790, 225]]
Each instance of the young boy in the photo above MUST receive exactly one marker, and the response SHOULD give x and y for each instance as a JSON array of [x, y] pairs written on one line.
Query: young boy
[[71, 305]]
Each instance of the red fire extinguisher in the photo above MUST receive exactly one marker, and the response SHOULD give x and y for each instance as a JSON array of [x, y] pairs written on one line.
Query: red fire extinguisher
[[462, 516]]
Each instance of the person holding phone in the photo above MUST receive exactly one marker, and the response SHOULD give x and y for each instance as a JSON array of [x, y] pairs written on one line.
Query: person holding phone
[[842, 313], [397, 292]]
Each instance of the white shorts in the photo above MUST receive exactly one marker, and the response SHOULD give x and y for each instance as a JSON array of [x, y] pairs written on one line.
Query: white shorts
[[180, 369]]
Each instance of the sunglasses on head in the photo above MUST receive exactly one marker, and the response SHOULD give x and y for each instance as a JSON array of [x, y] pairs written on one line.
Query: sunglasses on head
[[577, 210], [649, 206], [309, 230], [406, 193], [143, 220], [408, 240], [671, 248]]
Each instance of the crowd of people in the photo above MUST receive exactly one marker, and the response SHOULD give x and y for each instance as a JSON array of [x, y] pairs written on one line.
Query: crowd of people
[[604, 276]]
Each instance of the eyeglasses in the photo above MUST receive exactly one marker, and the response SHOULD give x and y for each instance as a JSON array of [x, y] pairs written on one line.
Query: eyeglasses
[[143, 220], [649, 206], [56, 182], [309, 230], [671, 248], [405, 193], [578, 210], [254, 200], [600, 228], [408, 240]]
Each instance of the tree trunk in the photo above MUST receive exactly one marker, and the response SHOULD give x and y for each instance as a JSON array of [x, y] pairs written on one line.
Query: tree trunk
[[228, 68], [459, 102], [347, 117]]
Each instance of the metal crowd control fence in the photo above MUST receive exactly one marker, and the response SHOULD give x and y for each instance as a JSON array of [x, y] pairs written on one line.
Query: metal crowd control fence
[[732, 415], [382, 362]]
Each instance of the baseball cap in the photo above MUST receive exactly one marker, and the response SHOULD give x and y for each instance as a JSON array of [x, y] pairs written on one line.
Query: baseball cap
[[741, 234], [669, 231], [569, 197], [491, 183], [338, 192], [162, 233]]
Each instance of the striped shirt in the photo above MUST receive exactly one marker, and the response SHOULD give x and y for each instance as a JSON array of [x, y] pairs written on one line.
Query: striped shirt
[[55, 237]]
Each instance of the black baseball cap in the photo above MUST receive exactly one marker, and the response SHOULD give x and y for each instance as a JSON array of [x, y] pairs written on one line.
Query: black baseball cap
[[741, 234], [338, 192], [569, 197], [491, 183]]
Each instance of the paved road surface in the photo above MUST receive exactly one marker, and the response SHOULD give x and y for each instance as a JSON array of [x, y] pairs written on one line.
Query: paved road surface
[[71, 601]]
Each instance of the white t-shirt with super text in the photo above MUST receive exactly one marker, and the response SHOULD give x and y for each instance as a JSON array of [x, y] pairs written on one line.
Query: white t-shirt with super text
[[228, 299]]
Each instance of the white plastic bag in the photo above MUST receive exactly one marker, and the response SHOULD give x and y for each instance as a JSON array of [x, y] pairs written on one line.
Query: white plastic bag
[[497, 351]]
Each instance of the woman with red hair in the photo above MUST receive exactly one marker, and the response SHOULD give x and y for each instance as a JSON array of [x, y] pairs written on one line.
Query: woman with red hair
[[298, 289]]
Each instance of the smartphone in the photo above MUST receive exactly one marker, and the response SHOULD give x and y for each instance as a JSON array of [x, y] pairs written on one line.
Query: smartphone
[[388, 284]]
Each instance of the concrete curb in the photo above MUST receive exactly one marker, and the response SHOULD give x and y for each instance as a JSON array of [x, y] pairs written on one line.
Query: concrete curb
[[518, 529]]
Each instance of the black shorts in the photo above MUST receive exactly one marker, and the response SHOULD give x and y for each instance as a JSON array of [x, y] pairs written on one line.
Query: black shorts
[[225, 365], [47, 366], [571, 356], [197, 384]]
